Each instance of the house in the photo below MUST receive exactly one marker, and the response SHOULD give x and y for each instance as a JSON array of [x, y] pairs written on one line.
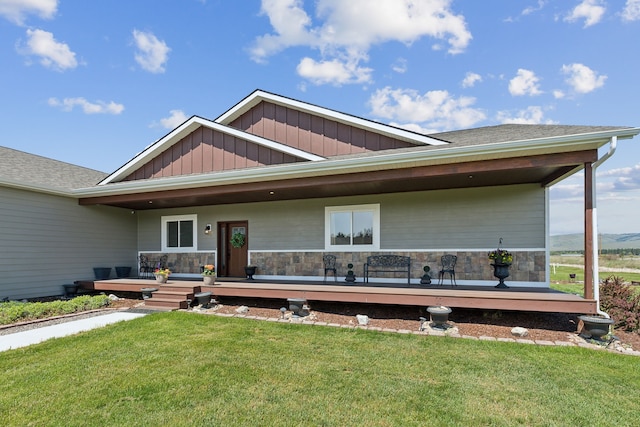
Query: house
[[297, 181]]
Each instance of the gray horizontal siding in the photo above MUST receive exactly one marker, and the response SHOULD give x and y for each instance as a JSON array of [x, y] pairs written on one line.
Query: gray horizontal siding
[[454, 219], [48, 241]]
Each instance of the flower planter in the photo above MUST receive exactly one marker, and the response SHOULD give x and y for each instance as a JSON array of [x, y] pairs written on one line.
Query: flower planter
[[102, 273], [501, 271], [439, 316], [122, 272], [595, 326], [209, 280], [250, 270], [161, 278]]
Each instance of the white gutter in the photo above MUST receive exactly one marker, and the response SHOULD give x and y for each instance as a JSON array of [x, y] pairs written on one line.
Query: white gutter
[[594, 225]]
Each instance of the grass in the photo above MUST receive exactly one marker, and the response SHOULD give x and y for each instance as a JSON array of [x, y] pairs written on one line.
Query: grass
[[187, 369]]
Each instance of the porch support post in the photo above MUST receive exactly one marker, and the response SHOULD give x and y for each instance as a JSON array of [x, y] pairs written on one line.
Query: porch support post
[[588, 231]]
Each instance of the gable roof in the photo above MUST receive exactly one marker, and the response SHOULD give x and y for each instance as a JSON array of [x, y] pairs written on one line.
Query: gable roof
[[29, 171], [189, 126], [258, 96]]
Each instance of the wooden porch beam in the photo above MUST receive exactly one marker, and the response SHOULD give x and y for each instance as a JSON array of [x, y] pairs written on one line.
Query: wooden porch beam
[[588, 232]]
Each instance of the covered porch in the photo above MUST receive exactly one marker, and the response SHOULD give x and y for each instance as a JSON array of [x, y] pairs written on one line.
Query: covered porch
[[477, 297]]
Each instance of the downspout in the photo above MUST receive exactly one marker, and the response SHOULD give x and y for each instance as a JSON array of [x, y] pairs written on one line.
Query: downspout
[[613, 142]]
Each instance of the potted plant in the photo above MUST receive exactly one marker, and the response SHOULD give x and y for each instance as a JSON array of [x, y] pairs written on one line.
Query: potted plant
[[209, 274], [250, 270], [162, 274], [501, 260], [426, 277], [351, 277]]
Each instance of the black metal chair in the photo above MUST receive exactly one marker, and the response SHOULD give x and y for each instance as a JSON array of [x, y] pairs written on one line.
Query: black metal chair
[[448, 266], [330, 266], [146, 269]]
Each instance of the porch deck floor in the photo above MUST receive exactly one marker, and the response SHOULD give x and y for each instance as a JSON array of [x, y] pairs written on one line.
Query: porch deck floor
[[481, 297]]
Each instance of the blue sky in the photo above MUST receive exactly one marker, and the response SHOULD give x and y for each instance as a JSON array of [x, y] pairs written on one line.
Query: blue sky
[[94, 82]]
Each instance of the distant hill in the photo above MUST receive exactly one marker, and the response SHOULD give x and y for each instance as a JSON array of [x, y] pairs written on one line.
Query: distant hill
[[575, 242]]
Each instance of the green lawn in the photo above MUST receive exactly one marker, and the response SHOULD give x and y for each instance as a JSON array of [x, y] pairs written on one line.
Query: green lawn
[[187, 369]]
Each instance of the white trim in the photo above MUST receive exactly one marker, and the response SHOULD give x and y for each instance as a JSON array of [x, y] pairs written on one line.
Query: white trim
[[163, 232], [373, 208], [257, 96]]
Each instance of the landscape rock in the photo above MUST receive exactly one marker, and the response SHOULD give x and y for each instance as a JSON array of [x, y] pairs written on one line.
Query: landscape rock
[[520, 331], [242, 309]]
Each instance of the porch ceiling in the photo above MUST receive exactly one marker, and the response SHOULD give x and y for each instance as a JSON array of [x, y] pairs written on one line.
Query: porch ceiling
[[542, 169]]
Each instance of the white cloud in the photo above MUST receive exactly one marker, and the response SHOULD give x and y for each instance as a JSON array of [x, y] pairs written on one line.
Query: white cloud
[[16, 11], [558, 94], [175, 119], [98, 107], [631, 11], [435, 110], [531, 9], [334, 72], [470, 79], [532, 115], [582, 78], [152, 54], [53, 54], [589, 10], [525, 83], [400, 66], [347, 29], [624, 179]]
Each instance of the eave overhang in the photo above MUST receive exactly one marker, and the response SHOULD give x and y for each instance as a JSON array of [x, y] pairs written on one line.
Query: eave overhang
[[541, 161]]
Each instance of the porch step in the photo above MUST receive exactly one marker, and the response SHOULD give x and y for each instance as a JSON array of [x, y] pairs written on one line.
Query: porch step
[[172, 296], [166, 303]]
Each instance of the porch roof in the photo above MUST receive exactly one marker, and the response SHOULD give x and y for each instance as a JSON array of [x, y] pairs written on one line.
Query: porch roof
[[473, 158]]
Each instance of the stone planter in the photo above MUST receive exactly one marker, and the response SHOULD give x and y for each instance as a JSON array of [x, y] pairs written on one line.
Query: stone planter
[[439, 316], [203, 298], [102, 273], [161, 278], [146, 292], [595, 326], [296, 306], [70, 290], [122, 272], [209, 280]]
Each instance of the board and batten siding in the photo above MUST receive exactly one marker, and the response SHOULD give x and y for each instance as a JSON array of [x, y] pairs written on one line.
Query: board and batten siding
[[49, 240], [474, 218]]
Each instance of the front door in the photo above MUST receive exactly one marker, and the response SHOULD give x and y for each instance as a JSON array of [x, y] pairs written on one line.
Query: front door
[[233, 248]]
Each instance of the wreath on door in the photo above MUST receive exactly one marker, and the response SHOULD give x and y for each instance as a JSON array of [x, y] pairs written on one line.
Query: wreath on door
[[237, 240]]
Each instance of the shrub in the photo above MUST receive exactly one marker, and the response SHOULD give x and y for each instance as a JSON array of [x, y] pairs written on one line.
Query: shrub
[[14, 311], [618, 299]]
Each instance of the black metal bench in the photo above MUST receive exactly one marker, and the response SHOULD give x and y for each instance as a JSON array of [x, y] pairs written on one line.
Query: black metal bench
[[387, 264]]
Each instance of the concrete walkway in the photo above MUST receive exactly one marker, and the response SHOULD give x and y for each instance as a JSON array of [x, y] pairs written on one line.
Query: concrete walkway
[[37, 335]]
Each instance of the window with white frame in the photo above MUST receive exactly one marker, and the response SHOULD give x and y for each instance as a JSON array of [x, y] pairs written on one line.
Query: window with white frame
[[179, 232], [352, 227]]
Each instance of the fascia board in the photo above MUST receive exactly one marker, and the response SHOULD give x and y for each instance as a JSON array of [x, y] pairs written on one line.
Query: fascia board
[[186, 128], [361, 164], [393, 132], [35, 188]]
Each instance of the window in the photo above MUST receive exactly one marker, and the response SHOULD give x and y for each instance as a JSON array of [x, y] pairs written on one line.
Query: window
[[352, 227], [179, 232]]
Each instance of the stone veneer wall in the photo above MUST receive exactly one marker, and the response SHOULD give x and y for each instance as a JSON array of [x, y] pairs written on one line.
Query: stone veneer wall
[[527, 266], [183, 262]]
